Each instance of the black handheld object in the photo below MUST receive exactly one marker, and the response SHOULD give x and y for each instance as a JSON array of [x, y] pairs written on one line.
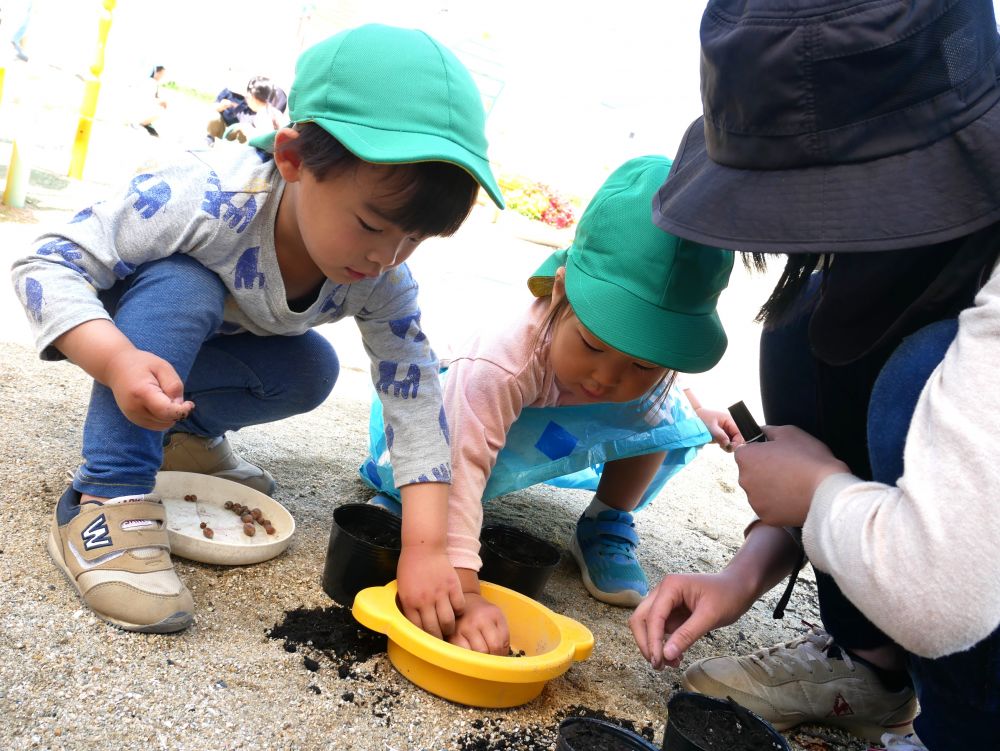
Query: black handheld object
[[747, 426]]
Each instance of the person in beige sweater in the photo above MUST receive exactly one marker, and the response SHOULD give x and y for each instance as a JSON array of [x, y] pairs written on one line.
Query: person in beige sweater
[[873, 161]]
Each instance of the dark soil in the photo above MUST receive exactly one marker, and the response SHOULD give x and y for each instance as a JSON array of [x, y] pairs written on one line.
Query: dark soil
[[519, 547], [581, 736], [333, 632], [720, 729], [646, 731], [379, 527], [495, 734]]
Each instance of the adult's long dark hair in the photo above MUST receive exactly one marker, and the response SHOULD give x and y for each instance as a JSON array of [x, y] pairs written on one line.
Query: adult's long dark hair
[[872, 300]]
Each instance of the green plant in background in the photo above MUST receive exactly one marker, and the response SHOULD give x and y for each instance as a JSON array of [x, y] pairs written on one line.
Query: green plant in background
[[538, 201]]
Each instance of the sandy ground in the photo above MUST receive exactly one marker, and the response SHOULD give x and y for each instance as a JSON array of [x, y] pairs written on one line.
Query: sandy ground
[[69, 681]]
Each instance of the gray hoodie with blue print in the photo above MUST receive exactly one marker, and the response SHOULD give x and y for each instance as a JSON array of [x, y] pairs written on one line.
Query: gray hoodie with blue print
[[220, 209]]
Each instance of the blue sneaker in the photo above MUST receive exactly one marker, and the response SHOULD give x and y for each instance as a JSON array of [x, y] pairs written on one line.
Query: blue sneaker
[[387, 502], [604, 548]]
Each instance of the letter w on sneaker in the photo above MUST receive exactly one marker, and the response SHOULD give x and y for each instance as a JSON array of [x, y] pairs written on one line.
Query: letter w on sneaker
[[807, 680], [117, 555]]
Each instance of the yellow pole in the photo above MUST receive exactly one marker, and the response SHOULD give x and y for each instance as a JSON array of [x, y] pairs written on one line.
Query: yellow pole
[[92, 88], [18, 172]]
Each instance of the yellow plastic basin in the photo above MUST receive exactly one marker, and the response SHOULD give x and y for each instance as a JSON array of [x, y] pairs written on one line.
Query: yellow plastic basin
[[551, 643]]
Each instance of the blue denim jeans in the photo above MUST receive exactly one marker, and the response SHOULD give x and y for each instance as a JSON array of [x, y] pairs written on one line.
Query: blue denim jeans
[[959, 694], [173, 308]]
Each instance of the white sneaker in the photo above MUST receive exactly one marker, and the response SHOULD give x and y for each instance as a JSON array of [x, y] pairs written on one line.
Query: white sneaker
[[798, 682], [185, 452]]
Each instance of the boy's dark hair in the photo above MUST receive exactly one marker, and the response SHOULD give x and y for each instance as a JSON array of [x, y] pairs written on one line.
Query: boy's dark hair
[[434, 198], [156, 69], [261, 88]]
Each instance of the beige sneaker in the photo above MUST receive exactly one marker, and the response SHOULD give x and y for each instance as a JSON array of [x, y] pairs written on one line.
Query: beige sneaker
[[185, 452], [798, 682], [117, 555]]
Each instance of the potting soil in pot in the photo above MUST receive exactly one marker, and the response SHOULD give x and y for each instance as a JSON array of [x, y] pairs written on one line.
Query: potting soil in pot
[[370, 530], [515, 547], [586, 737], [720, 730]]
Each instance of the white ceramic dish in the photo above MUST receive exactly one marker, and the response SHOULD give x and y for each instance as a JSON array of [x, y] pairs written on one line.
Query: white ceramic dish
[[229, 546]]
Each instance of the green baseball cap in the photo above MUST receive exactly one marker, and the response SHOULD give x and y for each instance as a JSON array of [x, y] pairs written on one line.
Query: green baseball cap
[[644, 292], [392, 96]]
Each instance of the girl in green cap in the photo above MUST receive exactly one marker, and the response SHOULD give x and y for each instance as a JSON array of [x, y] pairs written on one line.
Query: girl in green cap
[[585, 377]]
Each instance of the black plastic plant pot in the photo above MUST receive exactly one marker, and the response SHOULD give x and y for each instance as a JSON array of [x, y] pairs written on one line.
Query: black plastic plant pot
[[702, 723], [589, 734], [517, 560], [363, 551]]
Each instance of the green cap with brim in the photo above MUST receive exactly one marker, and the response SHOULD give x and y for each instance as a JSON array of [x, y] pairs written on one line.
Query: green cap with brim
[[392, 96], [640, 290]]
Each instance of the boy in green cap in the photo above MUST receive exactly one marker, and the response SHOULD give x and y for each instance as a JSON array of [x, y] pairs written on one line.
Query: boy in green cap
[[190, 298], [585, 376]]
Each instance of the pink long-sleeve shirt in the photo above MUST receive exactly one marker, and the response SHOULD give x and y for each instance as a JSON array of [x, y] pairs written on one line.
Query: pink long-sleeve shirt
[[487, 386]]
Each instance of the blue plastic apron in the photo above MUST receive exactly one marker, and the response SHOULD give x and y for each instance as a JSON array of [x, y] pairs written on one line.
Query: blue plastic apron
[[568, 446]]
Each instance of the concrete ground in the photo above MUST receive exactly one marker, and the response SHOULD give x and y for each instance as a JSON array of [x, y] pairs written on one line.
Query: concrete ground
[[68, 681]]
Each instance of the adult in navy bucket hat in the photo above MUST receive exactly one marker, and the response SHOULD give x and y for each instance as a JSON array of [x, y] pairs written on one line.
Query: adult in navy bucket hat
[[862, 140]]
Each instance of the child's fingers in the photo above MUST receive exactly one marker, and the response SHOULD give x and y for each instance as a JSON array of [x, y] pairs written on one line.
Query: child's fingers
[[457, 598], [164, 409], [500, 644], [444, 615], [413, 616], [459, 640], [168, 379], [477, 642]]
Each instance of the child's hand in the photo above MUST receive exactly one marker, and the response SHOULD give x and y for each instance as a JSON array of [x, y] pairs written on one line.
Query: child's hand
[[147, 389], [682, 609], [430, 593], [722, 427], [482, 627]]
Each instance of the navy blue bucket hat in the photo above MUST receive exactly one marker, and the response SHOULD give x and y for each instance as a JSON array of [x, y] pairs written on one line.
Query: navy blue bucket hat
[[840, 126]]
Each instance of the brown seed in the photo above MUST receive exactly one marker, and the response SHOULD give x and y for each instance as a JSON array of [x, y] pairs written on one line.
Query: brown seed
[[207, 531], [203, 525], [229, 504], [249, 530], [257, 514], [269, 529], [265, 522], [246, 519]]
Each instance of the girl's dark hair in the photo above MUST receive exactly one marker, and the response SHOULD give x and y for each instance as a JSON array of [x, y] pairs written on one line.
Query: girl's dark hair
[[432, 198], [156, 70], [652, 399], [792, 283]]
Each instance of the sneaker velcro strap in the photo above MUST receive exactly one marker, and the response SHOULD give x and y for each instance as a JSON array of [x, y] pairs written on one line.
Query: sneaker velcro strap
[[618, 529], [99, 530]]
